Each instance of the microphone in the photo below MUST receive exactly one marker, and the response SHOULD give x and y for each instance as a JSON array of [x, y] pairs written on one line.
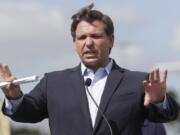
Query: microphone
[[20, 81], [87, 84]]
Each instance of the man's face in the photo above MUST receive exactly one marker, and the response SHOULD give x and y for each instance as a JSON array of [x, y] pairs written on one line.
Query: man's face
[[92, 44]]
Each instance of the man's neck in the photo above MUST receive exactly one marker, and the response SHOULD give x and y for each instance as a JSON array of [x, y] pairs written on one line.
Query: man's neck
[[108, 65], [95, 68]]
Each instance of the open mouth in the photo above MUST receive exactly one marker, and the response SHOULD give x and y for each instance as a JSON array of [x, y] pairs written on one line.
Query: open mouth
[[90, 53]]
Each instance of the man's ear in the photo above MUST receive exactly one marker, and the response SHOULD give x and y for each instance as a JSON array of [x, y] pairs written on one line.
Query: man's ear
[[111, 38]]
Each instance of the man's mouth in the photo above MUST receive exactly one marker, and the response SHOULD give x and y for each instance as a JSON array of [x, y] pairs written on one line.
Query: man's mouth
[[89, 53]]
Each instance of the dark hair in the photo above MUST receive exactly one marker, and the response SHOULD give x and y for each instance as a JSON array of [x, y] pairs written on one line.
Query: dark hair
[[89, 15]]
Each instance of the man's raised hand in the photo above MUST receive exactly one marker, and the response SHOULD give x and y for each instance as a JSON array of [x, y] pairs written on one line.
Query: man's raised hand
[[155, 88], [11, 91]]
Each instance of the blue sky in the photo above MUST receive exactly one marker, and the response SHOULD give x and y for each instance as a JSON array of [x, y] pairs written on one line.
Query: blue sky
[[35, 35]]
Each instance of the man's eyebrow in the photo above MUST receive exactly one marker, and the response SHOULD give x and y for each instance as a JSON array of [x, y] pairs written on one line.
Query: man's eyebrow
[[91, 34]]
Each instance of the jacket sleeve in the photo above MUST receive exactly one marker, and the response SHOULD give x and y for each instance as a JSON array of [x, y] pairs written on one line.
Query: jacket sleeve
[[163, 113], [34, 105]]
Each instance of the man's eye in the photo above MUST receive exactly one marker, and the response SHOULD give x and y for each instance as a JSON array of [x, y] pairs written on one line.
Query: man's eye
[[97, 36], [81, 37]]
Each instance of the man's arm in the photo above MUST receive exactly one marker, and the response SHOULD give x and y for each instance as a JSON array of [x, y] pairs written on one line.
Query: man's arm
[[160, 106], [12, 92], [11, 106], [23, 108]]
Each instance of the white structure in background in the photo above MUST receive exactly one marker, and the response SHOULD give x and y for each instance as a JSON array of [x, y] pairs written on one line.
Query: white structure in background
[[4, 123], [171, 66]]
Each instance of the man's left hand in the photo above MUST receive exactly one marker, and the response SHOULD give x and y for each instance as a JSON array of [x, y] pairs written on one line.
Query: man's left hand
[[154, 88]]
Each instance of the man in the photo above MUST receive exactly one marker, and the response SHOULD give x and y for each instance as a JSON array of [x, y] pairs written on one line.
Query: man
[[124, 97]]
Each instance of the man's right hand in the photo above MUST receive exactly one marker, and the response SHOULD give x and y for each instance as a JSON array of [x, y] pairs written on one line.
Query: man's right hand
[[11, 91]]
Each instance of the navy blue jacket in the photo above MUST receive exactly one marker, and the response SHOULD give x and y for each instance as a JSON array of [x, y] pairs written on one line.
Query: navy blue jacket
[[151, 128], [60, 96]]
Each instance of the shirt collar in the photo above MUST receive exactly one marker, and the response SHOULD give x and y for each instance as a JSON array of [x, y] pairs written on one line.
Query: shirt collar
[[85, 70]]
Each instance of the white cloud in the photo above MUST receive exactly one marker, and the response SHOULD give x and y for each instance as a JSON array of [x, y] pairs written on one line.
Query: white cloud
[[133, 51], [127, 21], [128, 16], [131, 56], [176, 38], [28, 22], [34, 35]]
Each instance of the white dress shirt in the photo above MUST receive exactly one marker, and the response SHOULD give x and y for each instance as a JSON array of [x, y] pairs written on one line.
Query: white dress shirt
[[97, 86]]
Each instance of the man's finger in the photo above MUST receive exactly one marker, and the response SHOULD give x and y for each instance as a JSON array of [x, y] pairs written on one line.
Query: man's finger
[[146, 100], [151, 76], [1, 70], [10, 79], [157, 76], [7, 71], [165, 76], [145, 83]]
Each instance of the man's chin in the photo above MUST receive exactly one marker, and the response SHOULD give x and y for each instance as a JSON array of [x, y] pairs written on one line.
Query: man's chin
[[90, 63]]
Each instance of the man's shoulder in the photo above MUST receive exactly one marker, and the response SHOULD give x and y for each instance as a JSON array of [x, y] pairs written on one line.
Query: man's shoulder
[[63, 71], [133, 74], [130, 72]]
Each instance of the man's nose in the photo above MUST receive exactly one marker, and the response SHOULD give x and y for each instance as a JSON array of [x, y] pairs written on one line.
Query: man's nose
[[89, 41]]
